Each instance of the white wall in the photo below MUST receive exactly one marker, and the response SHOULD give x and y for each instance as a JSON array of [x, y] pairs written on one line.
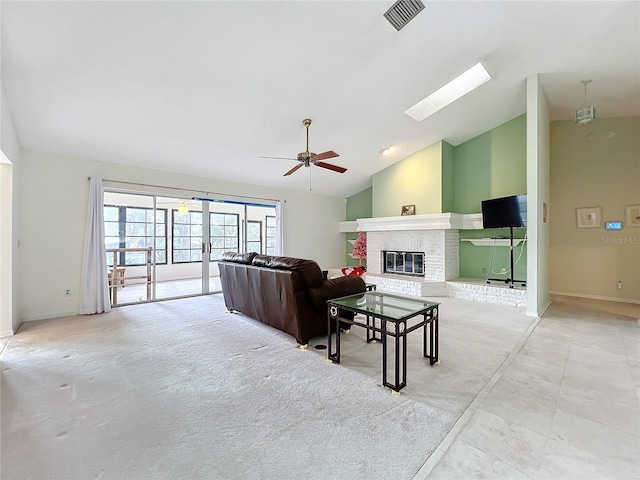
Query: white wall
[[538, 181], [52, 202], [9, 169]]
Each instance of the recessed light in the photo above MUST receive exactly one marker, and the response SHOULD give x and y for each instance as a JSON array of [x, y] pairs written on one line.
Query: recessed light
[[388, 150], [449, 93]]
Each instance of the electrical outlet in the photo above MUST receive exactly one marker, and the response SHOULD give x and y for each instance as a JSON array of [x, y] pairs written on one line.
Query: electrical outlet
[[484, 271], [67, 292], [619, 285], [503, 270]]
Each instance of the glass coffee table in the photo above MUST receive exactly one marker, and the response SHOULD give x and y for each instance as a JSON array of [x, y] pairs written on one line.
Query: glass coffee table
[[387, 315]]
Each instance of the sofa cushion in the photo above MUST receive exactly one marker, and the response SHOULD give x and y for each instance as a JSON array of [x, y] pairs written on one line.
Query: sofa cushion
[[261, 261], [305, 271], [244, 258]]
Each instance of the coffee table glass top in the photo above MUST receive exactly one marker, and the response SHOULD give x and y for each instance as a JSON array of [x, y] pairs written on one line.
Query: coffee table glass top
[[386, 305]]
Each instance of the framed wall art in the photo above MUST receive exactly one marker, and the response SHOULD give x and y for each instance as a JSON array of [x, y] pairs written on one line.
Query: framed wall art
[[589, 217], [632, 216]]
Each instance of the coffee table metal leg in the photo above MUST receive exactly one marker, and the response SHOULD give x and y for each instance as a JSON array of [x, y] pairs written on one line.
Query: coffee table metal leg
[[383, 325], [425, 350], [334, 357], [372, 334], [337, 356], [430, 344], [404, 355], [399, 356], [397, 361], [435, 342]]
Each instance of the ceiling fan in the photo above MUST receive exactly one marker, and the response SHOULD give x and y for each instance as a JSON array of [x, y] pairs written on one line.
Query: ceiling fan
[[308, 158]]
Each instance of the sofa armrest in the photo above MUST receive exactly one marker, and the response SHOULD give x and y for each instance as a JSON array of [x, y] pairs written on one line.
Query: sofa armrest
[[334, 288]]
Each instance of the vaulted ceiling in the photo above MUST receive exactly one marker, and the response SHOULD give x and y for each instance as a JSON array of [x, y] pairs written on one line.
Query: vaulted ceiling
[[207, 88]]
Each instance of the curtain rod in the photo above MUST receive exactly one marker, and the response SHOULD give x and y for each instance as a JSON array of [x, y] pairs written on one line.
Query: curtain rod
[[186, 189]]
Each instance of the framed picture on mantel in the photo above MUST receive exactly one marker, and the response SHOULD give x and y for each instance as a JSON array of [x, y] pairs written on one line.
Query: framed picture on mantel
[[408, 210]]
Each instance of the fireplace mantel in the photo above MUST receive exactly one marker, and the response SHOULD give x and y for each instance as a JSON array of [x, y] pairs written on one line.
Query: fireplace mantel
[[429, 221]]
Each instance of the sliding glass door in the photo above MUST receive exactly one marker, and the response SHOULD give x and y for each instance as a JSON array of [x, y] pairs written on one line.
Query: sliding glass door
[[238, 227], [186, 237], [161, 247]]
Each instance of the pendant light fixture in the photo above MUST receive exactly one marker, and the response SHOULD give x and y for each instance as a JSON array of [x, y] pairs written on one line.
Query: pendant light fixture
[[587, 113]]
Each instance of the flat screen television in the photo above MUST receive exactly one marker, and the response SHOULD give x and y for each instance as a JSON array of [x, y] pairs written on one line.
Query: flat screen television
[[505, 212]]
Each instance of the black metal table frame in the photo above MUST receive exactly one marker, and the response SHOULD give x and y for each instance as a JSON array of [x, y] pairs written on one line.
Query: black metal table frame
[[396, 328]]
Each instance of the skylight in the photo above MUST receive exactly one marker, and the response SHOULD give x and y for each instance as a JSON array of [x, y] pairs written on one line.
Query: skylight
[[449, 93]]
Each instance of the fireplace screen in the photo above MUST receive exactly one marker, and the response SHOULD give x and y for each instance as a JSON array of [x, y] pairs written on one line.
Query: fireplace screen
[[404, 263]]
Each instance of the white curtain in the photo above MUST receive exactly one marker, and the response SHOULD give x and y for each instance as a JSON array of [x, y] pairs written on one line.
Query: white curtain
[[94, 292], [280, 227]]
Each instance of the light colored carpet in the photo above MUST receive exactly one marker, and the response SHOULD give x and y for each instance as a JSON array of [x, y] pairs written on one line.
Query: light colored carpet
[[182, 389]]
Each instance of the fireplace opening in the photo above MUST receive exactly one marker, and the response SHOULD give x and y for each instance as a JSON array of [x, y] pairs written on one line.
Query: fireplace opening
[[404, 263]]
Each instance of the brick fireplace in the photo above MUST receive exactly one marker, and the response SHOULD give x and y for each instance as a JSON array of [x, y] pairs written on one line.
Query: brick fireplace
[[437, 236]]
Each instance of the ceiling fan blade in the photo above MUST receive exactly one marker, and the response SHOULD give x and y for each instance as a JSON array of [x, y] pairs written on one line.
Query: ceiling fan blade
[[281, 158], [329, 166], [325, 155], [293, 169]]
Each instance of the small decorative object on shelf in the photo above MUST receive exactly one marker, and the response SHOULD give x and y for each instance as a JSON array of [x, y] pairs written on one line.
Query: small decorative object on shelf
[[360, 248], [408, 210], [354, 270]]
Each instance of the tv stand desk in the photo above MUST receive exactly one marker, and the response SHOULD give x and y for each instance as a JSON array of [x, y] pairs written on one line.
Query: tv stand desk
[[509, 280]]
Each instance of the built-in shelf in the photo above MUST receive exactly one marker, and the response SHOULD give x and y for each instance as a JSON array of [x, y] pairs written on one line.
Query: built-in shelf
[[490, 242]]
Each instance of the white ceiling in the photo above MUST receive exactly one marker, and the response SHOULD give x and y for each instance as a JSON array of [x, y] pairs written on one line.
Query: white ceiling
[[206, 88]]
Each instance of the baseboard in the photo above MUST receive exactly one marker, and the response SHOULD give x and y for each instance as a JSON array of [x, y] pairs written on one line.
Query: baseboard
[[546, 307], [597, 297], [542, 312], [6, 333], [47, 317]]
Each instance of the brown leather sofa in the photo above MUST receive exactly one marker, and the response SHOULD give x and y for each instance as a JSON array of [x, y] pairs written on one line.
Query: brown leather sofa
[[289, 294]]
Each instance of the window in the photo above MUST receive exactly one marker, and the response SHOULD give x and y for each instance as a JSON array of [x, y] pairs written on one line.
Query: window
[[132, 227], [254, 236], [187, 237], [224, 234], [271, 235]]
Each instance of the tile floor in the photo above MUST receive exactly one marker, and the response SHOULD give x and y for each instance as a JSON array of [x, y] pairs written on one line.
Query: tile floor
[[567, 404]]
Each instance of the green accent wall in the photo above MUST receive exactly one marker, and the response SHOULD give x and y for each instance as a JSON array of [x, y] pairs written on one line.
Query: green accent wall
[[478, 262], [358, 206], [416, 180], [493, 164]]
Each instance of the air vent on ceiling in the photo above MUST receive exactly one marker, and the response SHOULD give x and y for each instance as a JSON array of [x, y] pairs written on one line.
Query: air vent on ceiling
[[402, 12]]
